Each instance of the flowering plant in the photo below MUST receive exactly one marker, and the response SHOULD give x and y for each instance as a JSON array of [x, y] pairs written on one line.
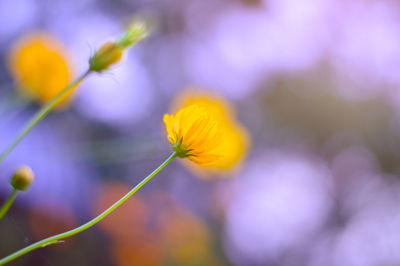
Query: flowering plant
[[202, 130]]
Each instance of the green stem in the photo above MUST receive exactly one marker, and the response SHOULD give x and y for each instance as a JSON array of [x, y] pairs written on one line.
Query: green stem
[[56, 239], [42, 114], [6, 206]]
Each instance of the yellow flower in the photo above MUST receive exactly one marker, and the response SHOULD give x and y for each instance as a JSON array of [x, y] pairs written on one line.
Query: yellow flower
[[195, 134], [39, 65], [234, 144]]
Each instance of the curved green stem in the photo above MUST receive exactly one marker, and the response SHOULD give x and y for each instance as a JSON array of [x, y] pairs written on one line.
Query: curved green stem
[[41, 114], [57, 238], [7, 204]]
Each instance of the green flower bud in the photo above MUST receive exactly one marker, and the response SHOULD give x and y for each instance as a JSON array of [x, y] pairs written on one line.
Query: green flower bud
[[108, 54], [136, 32], [22, 178], [111, 52]]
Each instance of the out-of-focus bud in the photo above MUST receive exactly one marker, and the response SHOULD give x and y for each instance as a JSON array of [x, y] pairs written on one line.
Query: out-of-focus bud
[[111, 52], [22, 178], [136, 32]]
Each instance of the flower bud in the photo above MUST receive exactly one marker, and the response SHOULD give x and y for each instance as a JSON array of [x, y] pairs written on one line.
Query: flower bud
[[136, 32], [22, 178], [108, 54], [111, 52]]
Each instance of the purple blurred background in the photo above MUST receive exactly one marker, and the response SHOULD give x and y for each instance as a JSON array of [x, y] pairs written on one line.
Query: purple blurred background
[[316, 82]]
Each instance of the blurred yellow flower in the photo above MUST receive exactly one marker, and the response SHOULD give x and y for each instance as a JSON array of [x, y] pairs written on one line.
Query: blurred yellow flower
[[40, 67], [236, 140]]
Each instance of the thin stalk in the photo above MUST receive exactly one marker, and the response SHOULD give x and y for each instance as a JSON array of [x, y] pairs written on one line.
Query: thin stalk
[[57, 238], [7, 204], [42, 114]]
